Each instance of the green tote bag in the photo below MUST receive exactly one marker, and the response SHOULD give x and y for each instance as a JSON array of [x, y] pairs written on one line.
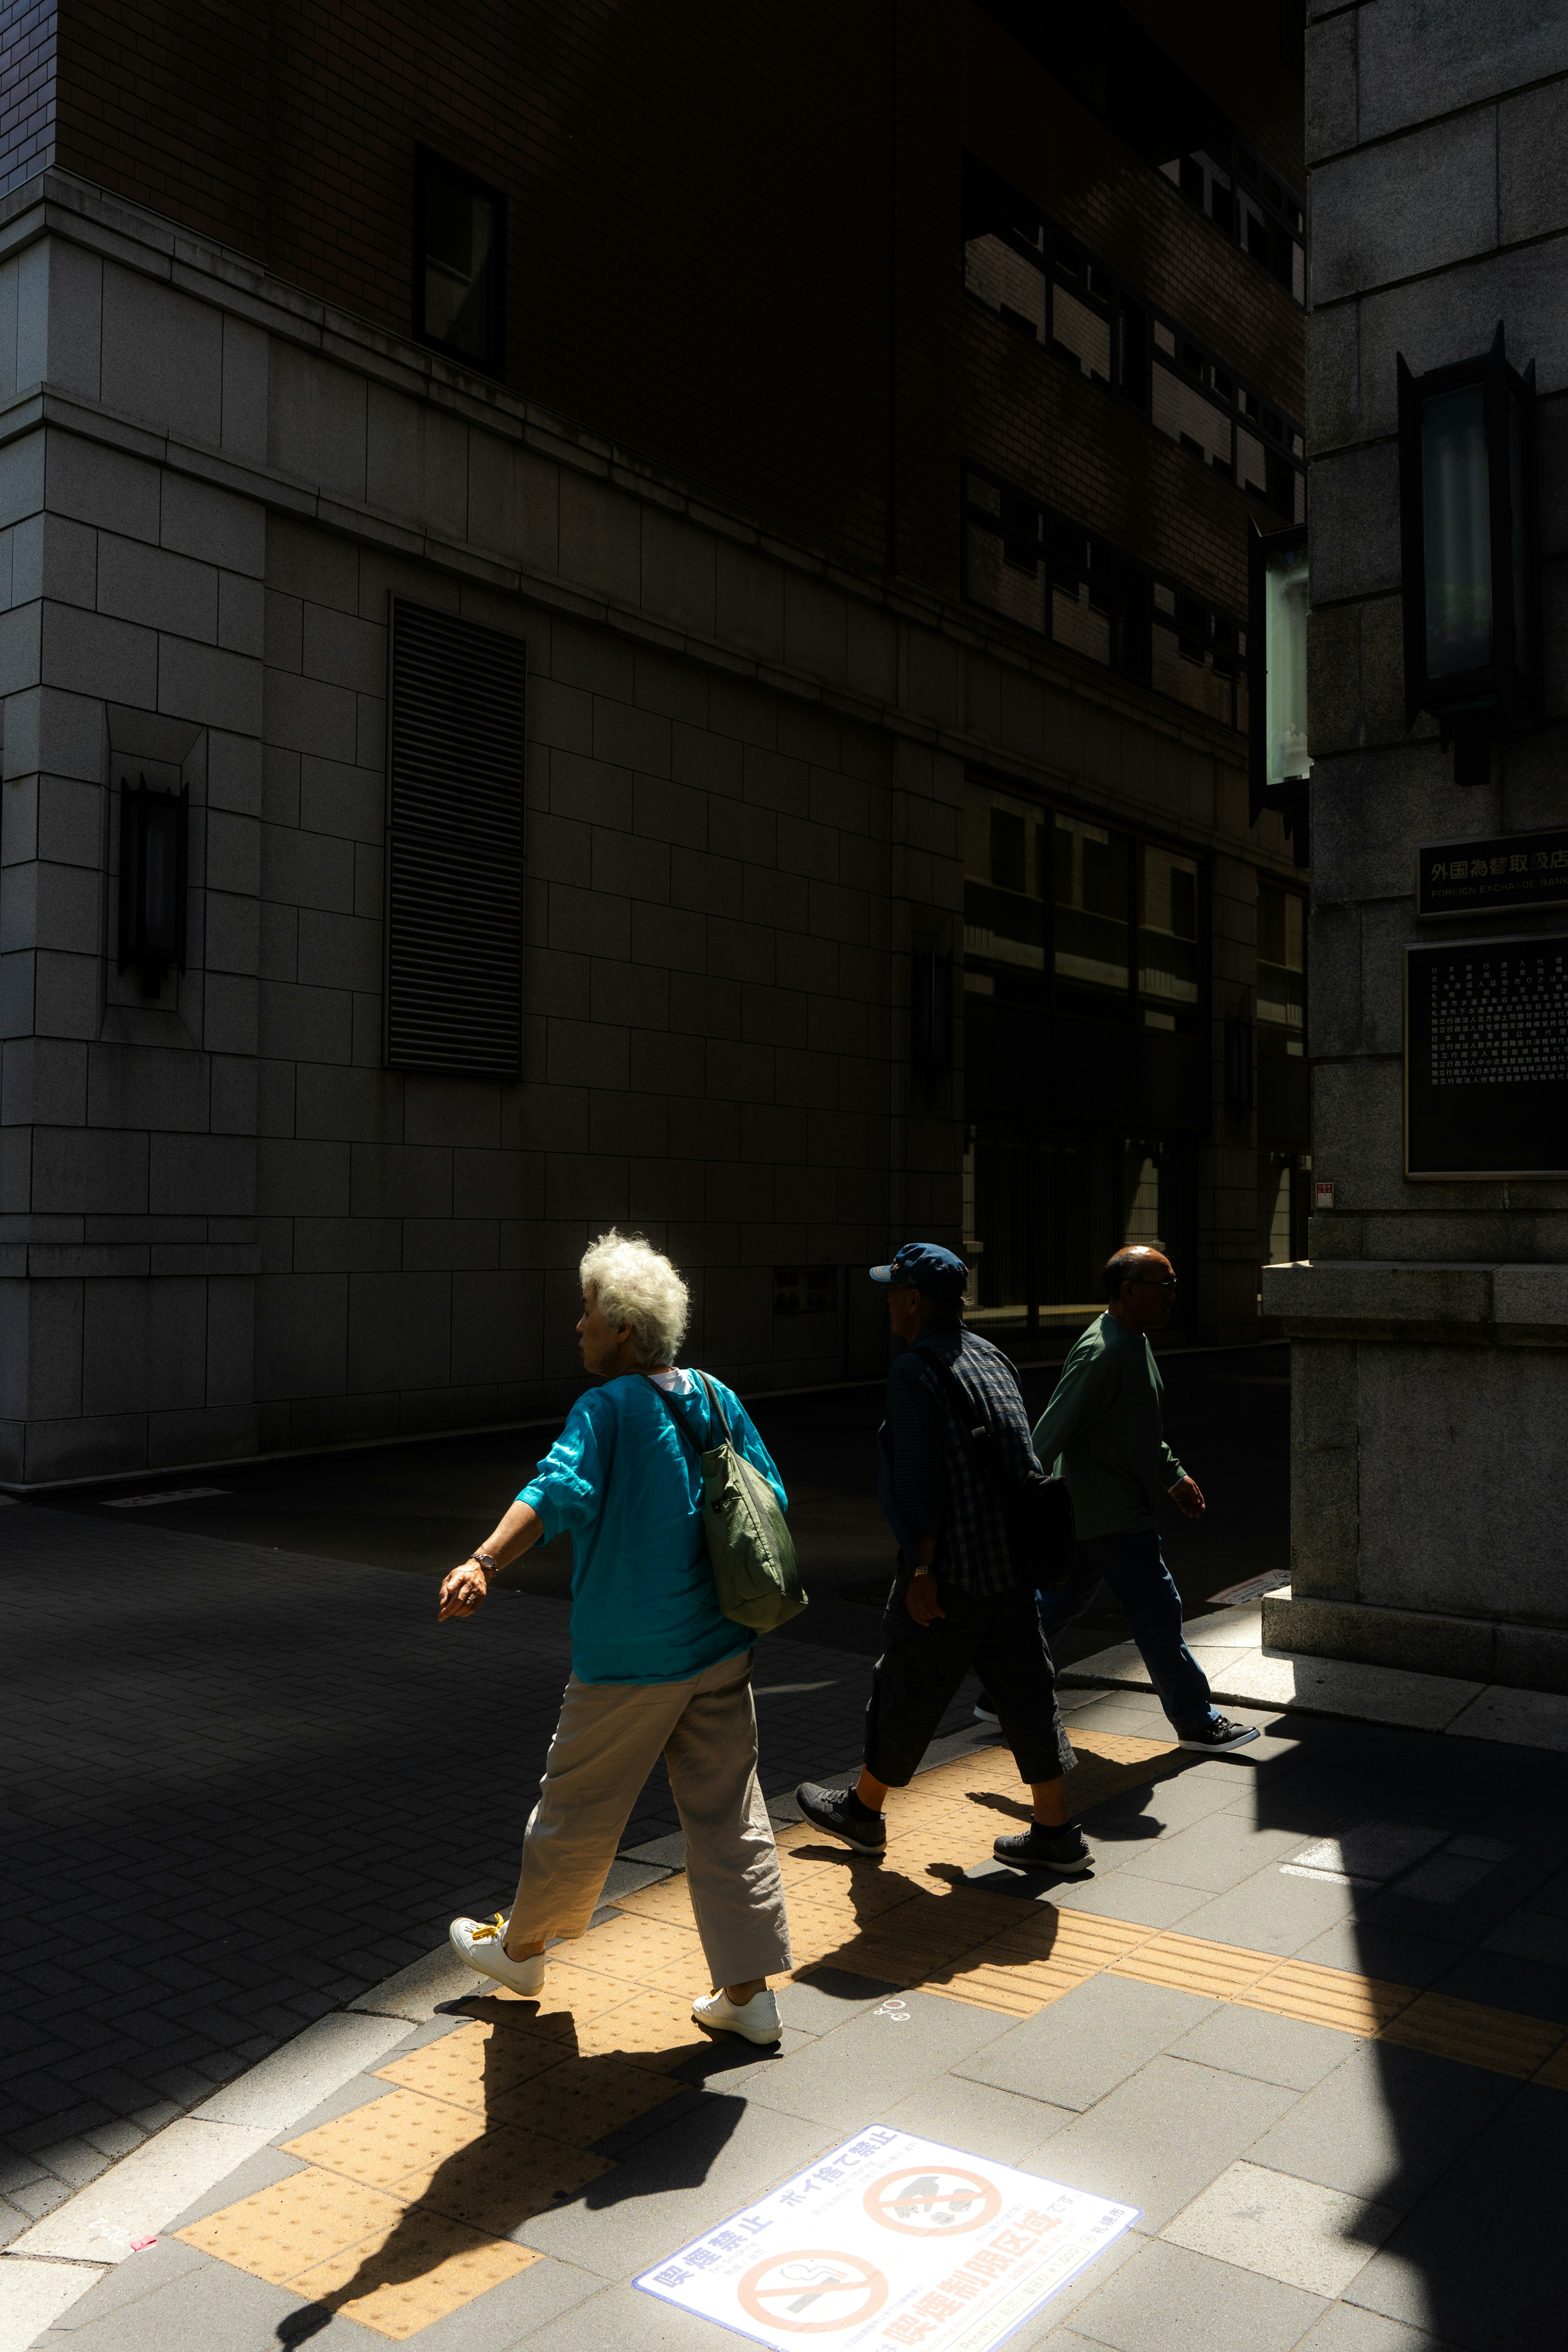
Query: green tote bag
[[749, 1548]]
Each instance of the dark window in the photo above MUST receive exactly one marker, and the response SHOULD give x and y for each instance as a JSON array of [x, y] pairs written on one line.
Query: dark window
[[459, 263], [1117, 68], [1041, 283], [454, 844], [1090, 596]]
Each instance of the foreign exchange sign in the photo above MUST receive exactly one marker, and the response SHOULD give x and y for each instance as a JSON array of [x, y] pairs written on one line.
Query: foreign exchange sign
[[1509, 874], [1486, 1058]]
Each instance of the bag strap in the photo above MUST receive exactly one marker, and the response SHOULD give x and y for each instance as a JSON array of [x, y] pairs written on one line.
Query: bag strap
[[710, 1392], [963, 1406], [676, 1414]]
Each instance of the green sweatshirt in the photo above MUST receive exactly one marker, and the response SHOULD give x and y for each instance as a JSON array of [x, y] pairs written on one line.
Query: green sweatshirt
[[1103, 1429]]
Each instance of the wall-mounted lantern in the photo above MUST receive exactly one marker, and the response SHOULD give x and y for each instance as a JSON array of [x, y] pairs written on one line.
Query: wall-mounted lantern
[[1470, 545], [1277, 643], [155, 836]]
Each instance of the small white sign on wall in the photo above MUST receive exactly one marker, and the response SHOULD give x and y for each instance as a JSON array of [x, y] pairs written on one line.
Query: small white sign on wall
[[891, 2242]]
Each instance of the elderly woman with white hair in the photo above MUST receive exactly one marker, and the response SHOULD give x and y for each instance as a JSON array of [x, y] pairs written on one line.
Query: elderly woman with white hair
[[656, 1667]]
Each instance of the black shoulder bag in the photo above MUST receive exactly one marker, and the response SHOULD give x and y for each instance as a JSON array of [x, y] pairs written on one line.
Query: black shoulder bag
[[1041, 1532]]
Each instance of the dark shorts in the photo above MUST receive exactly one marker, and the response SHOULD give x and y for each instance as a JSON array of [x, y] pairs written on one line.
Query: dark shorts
[[917, 1677]]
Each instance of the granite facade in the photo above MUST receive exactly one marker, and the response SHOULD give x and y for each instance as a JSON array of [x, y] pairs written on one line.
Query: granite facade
[[1429, 1356]]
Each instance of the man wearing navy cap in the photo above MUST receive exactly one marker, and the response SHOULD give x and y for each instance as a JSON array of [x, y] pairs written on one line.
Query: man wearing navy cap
[[959, 1602]]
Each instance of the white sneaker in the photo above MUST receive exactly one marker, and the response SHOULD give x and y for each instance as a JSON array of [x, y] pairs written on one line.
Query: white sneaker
[[759, 2020], [484, 1949]]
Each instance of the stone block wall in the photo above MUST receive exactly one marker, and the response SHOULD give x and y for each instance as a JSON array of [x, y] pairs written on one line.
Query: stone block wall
[[225, 1227], [1429, 1362]]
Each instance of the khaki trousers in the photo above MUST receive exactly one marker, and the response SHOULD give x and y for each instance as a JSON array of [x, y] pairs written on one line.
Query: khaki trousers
[[606, 1745]]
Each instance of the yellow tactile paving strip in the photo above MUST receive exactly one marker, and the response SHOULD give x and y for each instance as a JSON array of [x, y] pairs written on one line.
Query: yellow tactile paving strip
[[407, 2208]]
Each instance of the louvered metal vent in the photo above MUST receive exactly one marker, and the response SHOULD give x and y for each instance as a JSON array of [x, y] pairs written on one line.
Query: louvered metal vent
[[455, 842]]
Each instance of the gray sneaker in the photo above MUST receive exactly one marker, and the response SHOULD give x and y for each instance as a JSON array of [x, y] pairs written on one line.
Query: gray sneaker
[[835, 1811]]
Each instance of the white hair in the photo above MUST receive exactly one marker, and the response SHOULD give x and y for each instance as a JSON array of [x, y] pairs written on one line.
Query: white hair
[[633, 1284]]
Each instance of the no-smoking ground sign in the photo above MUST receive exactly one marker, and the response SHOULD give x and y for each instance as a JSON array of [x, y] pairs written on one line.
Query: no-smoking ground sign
[[891, 2242]]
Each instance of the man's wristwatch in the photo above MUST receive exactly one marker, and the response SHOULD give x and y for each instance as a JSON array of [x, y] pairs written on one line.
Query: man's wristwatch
[[922, 1571]]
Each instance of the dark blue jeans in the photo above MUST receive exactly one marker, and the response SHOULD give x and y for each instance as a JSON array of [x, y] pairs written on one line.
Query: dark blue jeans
[[1133, 1568]]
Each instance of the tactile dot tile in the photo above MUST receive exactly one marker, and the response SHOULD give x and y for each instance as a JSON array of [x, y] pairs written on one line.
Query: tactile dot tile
[[504, 2179], [405, 2133], [297, 2222], [582, 2098], [407, 2277], [667, 1898], [572, 1996], [1498, 2039], [474, 2067], [625, 1948]]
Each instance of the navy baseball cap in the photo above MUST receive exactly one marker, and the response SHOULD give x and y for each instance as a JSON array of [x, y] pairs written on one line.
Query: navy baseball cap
[[939, 1272]]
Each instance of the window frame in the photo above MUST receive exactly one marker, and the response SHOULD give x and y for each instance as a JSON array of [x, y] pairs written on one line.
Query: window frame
[[1137, 838], [427, 161]]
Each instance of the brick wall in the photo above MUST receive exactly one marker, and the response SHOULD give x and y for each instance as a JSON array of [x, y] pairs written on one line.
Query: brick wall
[[723, 223], [27, 89]]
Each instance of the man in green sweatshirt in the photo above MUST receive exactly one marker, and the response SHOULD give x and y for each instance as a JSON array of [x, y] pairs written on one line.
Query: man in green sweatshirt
[[1103, 1429]]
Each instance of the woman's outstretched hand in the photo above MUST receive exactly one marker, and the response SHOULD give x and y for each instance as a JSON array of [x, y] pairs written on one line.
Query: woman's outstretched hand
[[462, 1590]]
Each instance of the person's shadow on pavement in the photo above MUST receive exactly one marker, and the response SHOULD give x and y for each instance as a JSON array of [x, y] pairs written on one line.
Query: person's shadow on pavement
[[537, 2088]]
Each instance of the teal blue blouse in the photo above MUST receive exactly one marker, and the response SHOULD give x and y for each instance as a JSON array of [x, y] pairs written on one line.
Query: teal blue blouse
[[623, 1481]]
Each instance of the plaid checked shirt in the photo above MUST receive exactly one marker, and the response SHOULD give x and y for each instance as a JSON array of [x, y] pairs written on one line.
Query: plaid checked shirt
[[926, 1483]]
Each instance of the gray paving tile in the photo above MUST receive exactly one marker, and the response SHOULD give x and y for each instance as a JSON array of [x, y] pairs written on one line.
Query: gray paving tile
[[1283, 2228], [1271, 1912], [987, 2122], [512, 2312], [1527, 1935], [211, 2306], [1533, 1987], [718, 2155], [1050, 2325], [1385, 2124], [1345, 2328], [1386, 1952], [1215, 1854], [830, 1997], [1506, 2195], [851, 2075], [1174, 1804], [147, 2273], [1272, 2048], [257, 2171], [1144, 1902], [1161, 2136], [1073, 2052], [1168, 2300], [625, 2319], [359, 2091], [727, 2063]]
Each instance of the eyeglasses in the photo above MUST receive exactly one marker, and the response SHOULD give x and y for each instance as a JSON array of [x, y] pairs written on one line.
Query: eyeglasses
[[1152, 1281]]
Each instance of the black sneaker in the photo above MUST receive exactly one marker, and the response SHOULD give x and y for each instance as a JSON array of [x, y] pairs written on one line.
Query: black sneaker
[[840, 1812], [1219, 1735], [1039, 1848], [986, 1709]]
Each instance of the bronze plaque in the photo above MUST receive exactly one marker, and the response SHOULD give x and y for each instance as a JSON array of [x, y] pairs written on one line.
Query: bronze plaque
[[1486, 1058]]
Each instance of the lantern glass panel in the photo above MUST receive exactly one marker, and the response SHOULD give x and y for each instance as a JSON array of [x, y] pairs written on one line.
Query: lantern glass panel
[[1284, 667], [1456, 515]]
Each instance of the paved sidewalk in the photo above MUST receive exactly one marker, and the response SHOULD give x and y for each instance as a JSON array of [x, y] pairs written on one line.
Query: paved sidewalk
[[1310, 2016], [246, 1785]]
